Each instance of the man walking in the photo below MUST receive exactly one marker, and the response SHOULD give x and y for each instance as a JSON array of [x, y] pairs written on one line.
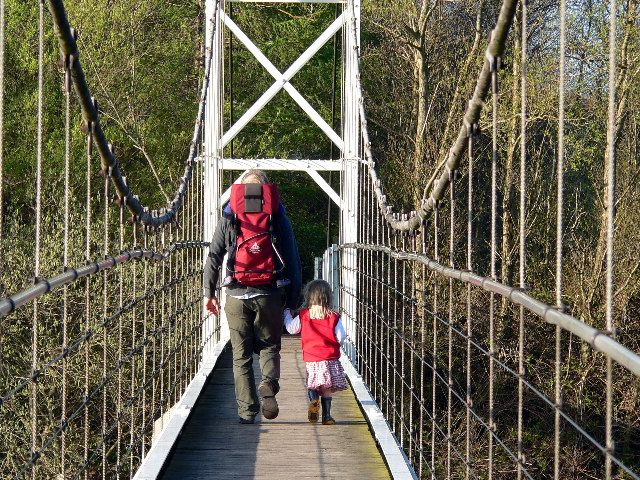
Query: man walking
[[263, 277]]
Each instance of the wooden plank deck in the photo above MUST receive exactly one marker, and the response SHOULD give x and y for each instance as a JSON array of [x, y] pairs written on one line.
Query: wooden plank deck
[[214, 445]]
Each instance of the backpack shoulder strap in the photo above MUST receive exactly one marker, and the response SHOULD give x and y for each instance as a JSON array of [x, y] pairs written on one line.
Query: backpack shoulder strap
[[271, 199]]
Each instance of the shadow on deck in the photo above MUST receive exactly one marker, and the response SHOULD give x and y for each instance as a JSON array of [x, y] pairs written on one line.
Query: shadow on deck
[[214, 445]]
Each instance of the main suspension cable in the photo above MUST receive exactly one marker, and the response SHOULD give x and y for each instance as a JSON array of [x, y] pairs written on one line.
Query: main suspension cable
[[142, 213], [435, 189]]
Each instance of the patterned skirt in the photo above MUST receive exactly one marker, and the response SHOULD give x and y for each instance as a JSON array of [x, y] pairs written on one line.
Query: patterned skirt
[[326, 376]]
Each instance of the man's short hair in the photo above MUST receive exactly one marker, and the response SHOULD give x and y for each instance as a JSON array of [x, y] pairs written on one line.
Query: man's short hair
[[254, 176]]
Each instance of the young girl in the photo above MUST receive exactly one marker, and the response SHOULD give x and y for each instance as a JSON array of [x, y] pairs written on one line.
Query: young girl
[[322, 333]]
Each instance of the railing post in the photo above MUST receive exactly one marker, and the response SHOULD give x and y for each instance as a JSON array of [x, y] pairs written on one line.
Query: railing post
[[317, 268], [334, 278], [326, 266]]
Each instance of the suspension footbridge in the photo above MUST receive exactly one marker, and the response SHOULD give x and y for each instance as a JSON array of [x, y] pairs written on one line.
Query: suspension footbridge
[[122, 373]]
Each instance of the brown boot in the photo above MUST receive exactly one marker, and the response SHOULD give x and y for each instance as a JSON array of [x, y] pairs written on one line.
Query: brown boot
[[313, 412], [270, 408]]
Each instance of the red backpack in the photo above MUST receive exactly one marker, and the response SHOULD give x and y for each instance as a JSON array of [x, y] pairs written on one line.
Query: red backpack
[[255, 261]]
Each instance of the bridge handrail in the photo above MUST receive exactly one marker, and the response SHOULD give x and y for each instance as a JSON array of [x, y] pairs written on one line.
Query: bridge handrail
[[431, 196], [45, 286], [597, 339], [70, 275], [69, 49]]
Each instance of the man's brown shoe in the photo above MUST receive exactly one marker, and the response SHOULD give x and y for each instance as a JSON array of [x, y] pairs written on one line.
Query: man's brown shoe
[[270, 408]]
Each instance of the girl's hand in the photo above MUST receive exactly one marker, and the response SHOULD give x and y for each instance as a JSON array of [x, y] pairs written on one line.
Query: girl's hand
[[290, 323]]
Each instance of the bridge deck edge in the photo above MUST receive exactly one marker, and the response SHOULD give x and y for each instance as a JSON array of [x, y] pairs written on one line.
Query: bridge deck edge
[[397, 462], [160, 451]]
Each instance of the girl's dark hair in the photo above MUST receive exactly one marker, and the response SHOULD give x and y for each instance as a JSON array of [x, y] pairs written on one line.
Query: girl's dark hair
[[318, 293]]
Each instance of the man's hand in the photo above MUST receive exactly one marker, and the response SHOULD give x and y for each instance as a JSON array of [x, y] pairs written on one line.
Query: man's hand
[[213, 306]]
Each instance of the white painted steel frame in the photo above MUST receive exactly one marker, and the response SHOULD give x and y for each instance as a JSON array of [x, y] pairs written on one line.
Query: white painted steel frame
[[322, 183], [312, 167], [349, 143], [212, 148], [224, 198], [281, 164]]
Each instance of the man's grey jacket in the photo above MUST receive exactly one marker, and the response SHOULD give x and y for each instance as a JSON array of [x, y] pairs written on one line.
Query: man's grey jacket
[[224, 240]]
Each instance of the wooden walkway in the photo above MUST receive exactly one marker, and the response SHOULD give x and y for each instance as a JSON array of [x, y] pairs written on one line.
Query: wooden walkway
[[214, 445]]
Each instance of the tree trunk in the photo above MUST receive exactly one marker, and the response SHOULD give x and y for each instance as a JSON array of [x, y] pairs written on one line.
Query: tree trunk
[[508, 198], [421, 94], [622, 89]]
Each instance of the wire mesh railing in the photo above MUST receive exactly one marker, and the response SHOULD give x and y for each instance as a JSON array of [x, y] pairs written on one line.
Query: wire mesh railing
[[118, 372], [424, 344], [479, 374], [102, 322]]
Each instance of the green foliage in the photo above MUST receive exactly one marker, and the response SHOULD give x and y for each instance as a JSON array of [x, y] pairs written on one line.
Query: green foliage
[[143, 61]]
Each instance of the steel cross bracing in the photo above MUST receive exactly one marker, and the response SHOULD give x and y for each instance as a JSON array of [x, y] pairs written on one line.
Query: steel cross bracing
[[282, 80], [220, 139]]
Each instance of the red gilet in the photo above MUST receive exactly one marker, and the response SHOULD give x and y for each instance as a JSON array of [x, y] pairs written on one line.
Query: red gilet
[[318, 337]]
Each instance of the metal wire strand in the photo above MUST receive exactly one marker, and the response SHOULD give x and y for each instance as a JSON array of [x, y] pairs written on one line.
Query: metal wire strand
[[559, 235], [2, 46], [163, 303], [522, 228], [470, 153], [610, 205], [87, 297], [119, 405], [154, 316], [435, 343], [452, 232], [495, 65], [132, 385], [423, 342], [145, 307], [105, 250], [65, 258], [38, 201]]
